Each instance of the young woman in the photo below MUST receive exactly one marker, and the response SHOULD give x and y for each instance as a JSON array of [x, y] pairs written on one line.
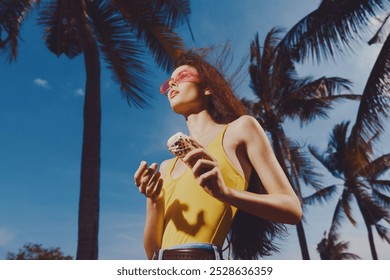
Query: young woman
[[233, 183]]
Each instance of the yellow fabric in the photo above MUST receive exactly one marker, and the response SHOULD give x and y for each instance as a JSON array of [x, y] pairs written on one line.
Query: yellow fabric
[[192, 215]]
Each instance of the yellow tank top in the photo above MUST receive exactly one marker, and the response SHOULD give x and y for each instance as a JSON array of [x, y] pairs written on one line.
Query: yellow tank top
[[191, 214]]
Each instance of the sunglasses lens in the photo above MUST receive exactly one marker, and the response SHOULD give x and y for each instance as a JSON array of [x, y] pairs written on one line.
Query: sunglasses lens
[[164, 87], [183, 76]]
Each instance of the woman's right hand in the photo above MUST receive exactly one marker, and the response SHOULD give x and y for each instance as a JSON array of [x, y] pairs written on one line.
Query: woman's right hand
[[148, 181]]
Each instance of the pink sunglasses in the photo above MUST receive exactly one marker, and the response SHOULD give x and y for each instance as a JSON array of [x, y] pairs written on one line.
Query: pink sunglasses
[[183, 76]]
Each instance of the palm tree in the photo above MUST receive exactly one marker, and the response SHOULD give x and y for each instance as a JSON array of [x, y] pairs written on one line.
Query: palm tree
[[361, 182], [331, 29], [118, 30], [351, 158], [282, 95], [330, 248]]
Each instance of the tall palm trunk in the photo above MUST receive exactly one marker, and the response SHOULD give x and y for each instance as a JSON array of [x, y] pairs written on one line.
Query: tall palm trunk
[[370, 234], [299, 226], [371, 241], [87, 246], [302, 241]]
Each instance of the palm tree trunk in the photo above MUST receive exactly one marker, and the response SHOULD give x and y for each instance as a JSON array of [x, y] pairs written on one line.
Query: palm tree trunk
[[88, 224], [299, 226], [369, 231], [371, 241], [302, 241]]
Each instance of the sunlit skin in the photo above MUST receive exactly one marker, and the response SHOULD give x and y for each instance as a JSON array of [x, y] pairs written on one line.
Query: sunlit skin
[[247, 147]]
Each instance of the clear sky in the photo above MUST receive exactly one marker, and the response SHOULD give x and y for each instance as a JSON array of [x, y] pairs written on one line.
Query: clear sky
[[41, 110]]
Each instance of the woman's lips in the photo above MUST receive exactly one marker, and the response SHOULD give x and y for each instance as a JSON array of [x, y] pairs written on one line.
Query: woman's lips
[[173, 94]]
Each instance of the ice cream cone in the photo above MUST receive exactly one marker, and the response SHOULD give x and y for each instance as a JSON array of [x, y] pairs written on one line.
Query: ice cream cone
[[180, 144]]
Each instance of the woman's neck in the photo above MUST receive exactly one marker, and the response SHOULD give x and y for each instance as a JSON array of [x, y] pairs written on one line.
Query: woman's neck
[[201, 126]]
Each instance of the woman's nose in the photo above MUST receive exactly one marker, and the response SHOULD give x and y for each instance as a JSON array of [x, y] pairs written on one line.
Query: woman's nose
[[172, 83]]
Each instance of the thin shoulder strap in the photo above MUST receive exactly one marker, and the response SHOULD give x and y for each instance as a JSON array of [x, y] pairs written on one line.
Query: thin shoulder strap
[[170, 168], [222, 134], [217, 141]]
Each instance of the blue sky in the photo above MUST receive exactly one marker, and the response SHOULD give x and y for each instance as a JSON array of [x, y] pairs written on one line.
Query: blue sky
[[41, 103]]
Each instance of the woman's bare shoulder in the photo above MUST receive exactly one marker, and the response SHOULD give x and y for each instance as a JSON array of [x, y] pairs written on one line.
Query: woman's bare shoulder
[[246, 120], [246, 130], [244, 126]]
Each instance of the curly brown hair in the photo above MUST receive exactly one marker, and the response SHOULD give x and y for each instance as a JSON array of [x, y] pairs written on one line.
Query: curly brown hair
[[224, 107], [251, 237]]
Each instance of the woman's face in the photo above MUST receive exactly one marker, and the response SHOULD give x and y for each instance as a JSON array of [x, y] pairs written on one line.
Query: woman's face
[[184, 91]]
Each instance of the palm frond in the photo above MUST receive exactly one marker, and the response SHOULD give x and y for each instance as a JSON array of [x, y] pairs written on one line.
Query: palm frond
[[268, 62], [338, 147], [325, 160], [331, 28], [173, 12], [151, 26], [383, 232], [375, 104], [12, 15], [304, 165], [261, 65], [321, 196], [349, 256], [249, 105], [377, 38], [383, 185], [269, 79], [165, 46], [306, 110], [334, 157], [324, 87], [376, 168], [62, 27], [255, 70], [339, 247], [382, 199], [370, 208], [331, 249], [338, 216], [346, 200], [309, 100], [121, 50]]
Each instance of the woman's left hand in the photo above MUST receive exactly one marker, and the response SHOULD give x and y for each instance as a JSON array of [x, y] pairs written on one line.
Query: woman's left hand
[[206, 170]]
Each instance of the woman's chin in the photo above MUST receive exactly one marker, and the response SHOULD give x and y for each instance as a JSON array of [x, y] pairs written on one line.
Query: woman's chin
[[178, 108]]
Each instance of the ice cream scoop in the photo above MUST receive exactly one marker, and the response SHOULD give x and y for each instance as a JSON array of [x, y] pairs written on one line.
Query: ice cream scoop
[[180, 144]]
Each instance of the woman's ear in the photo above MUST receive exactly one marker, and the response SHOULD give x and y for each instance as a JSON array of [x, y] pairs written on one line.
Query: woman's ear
[[207, 91]]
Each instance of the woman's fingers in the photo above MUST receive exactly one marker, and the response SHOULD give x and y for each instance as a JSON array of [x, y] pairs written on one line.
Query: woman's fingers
[[150, 188], [148, 174], [146, 177], [205, 179], [203, 165], [139, 172], [200, 161], [148, 180], [157, 190], [193, 156]]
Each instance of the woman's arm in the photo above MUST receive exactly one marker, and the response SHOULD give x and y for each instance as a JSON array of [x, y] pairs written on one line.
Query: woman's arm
[[280, 204], [154, 224], [150, 184]]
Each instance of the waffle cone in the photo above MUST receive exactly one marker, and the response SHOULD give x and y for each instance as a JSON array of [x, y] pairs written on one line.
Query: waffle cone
[[180, 144]]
